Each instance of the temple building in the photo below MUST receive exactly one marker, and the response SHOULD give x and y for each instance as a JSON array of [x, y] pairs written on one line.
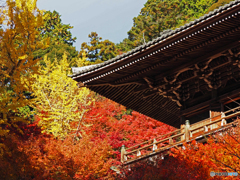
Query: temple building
[[189, 73]]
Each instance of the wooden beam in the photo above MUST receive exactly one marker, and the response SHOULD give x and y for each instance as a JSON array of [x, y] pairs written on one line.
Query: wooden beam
[[151, 93], [213, 54], [142, 88], [232, 100], [149, 81], [221, 98], [80, 84]]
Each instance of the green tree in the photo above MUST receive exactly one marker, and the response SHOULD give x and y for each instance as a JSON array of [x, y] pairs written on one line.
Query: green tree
[[125, 46], [56, 51], [60, 37], [218, 4], [55, 29], [98, 50], [158, 15]]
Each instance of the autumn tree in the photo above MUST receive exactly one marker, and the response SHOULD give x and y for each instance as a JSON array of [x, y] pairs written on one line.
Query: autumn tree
[[20, 21], [98, 50], [81, 61], [111, 121], [44, 157], [58, 99]]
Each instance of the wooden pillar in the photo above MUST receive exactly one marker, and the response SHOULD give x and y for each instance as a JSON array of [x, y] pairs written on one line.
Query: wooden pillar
[[214, 93], [222, 107]]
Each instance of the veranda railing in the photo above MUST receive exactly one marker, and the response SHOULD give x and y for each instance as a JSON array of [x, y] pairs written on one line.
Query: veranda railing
[[177, 137]]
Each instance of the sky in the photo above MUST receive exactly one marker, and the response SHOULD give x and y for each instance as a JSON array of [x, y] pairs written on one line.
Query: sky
[[111, 19]]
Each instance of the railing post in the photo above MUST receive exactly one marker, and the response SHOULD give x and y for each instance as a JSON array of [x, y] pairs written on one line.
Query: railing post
[[205, 129], [187, 130], [123, 156], [210, 115], [170, 140], [154, 145], [224, 122], [183, 131], [138, 153]]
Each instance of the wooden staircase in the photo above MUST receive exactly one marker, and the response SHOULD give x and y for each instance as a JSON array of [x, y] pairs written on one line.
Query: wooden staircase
[[162, 144]]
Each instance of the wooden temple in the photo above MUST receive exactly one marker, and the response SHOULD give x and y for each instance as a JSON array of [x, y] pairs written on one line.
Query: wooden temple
[[190, 73]]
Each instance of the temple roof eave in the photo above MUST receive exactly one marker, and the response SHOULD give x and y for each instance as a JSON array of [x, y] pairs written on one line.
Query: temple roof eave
[[163, 39], [152, 78]]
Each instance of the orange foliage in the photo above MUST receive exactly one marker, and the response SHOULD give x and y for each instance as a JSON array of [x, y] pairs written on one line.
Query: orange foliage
[[220, 154], [48, 158], [105, 128], [109, 120]]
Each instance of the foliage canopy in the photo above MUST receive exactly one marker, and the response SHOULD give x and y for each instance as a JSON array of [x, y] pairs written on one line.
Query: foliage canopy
[[58, 99], [20, 21]]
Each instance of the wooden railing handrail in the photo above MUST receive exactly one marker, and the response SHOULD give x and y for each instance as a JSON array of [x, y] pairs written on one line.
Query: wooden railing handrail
[[216, 115], [183, 128], [180, 142], [215, 121], [155, 138], [158, 142], [187, 129]]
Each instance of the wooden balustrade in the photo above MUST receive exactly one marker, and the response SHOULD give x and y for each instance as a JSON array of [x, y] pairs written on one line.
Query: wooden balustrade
[[186, 133]]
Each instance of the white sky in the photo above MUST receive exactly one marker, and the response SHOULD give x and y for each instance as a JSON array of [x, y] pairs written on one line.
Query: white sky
[[111, 19]]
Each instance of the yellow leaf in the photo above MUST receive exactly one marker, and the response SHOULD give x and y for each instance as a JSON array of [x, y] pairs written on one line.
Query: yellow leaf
[[23, 57], [59, 95]]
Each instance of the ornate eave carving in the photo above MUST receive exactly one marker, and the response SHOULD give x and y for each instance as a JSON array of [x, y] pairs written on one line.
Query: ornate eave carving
[[204, 76]]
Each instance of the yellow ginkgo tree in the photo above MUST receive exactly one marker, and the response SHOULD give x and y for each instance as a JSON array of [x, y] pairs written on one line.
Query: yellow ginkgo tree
[[59, 101], [19, 24]]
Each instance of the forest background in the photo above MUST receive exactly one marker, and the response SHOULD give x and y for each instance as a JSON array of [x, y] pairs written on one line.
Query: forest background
[[51, 129]]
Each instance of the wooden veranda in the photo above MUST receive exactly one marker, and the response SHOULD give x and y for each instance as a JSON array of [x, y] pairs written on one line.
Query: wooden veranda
[[188, 132]]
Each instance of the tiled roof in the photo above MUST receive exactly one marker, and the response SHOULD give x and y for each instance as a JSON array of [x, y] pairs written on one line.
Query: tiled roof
[[77, 70]]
